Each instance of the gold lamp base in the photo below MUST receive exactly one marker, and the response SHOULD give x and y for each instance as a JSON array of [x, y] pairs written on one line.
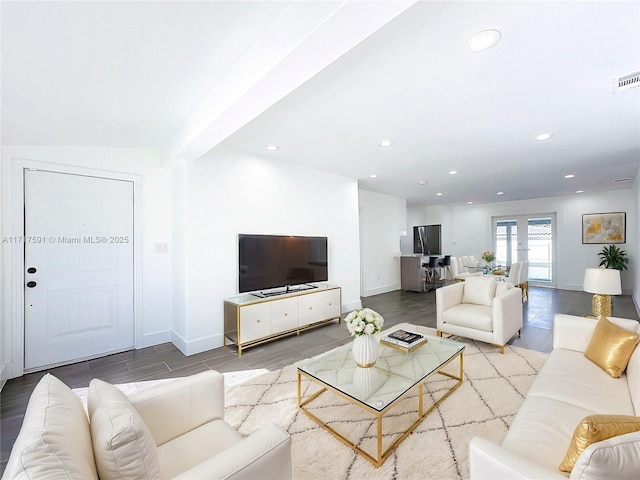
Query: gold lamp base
[[601, 305]]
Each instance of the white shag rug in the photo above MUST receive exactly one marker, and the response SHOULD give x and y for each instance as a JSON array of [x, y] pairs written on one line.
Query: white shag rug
[[485, 404]]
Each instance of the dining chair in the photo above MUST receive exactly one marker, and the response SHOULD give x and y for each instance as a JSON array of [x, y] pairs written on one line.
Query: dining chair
[[524, 280]]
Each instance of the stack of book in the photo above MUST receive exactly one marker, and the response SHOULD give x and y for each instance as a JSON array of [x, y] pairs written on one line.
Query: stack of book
[[403, 340]]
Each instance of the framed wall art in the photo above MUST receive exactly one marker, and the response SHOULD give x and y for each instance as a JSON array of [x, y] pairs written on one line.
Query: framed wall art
[[604, 227]]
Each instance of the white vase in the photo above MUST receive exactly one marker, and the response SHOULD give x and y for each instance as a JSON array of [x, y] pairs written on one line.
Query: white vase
[[365, 350]]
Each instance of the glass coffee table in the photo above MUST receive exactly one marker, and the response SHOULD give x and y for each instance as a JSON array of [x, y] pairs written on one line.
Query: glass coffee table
[[378, 389]]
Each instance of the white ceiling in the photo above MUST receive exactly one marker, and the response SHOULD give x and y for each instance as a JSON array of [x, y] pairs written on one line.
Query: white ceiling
[[326, 81]]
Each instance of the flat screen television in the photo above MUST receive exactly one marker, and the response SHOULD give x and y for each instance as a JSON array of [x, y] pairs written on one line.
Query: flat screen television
[[275, 261], [427, 240]]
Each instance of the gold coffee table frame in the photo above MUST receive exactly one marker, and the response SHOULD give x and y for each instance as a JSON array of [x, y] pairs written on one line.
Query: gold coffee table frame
[[381, 455]]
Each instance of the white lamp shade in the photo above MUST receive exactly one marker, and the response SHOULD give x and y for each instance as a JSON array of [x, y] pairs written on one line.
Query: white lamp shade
[[604, 281]]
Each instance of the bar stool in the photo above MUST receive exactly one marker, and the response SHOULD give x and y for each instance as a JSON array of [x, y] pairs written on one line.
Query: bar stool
[[445, 264], [432, 271]]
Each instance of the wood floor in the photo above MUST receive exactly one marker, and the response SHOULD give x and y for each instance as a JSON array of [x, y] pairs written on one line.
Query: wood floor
[[166, 361]]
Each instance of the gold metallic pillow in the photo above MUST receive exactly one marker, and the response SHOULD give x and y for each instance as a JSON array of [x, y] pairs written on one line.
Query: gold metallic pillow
[[595, 428], [611, 347]]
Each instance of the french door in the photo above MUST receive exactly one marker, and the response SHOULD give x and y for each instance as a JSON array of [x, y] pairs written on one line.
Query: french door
[[527, 237]]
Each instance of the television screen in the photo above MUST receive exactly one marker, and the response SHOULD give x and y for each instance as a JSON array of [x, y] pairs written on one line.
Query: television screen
[[273, 261], [427, 240]]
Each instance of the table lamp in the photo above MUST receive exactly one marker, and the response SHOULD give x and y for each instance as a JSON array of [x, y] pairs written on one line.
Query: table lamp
[[602, 282]]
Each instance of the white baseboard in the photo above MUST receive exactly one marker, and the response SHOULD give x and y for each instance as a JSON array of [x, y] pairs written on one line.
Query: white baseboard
[[191, 347], [348, 307], [379, 290], [3, 375], [577, 287], [156, 338]]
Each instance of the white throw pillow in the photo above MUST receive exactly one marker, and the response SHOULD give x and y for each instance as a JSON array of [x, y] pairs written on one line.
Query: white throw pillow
[[122, 444], [54, 441], [617, 457], [479, 291]]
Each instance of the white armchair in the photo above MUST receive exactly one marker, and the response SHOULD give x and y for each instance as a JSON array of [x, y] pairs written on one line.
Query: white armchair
[[177, 430], [480, 308], [169, 430]]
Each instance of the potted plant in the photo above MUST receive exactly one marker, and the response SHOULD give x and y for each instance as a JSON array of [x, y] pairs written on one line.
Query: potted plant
[[613, 257]]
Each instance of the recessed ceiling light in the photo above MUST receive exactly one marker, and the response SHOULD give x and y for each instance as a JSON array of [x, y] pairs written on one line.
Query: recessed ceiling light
[[569, 175], [439, 194], [453, 172], [544, 136], [422, 182], [373, 175], [469, 203], [579, 191], [272, 148], [484, 40], [385, 143], [500, 193]]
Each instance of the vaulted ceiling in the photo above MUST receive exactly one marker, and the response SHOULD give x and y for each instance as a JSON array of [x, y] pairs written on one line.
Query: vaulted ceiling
[[327, 81]]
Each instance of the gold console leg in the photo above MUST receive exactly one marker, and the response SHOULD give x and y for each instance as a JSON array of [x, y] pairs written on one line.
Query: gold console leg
[[501, 347]]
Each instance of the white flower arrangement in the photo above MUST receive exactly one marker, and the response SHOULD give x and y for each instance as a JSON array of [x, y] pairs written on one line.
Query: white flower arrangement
[[364, 321]]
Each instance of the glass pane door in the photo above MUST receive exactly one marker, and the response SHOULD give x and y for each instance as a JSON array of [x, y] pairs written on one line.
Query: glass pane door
[[527, 237], [506, 241], [540, 249]]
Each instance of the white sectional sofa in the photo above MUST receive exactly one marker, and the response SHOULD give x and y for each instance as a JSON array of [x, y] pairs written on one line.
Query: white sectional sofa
[[169, 430], [568, 388]]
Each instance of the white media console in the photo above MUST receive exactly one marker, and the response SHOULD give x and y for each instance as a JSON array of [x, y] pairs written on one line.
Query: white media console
[[251, 320]]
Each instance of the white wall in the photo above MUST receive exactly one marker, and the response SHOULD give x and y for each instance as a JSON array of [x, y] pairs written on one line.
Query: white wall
[[635, 269], [156, 227], [5, 312], [415, 216], [382, 218], [230, 192], [472, 230], [180, 267]]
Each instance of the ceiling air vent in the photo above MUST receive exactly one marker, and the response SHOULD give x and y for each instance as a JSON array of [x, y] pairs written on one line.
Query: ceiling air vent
[[626, 81], [622, 180]]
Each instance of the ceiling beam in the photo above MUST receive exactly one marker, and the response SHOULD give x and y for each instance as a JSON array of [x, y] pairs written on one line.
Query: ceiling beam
[[297, 45]]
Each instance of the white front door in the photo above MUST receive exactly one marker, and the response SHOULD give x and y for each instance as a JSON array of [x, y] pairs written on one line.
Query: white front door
[[78, 267]]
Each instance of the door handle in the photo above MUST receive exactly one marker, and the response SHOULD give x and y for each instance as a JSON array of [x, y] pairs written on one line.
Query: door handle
[[31, 284]]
